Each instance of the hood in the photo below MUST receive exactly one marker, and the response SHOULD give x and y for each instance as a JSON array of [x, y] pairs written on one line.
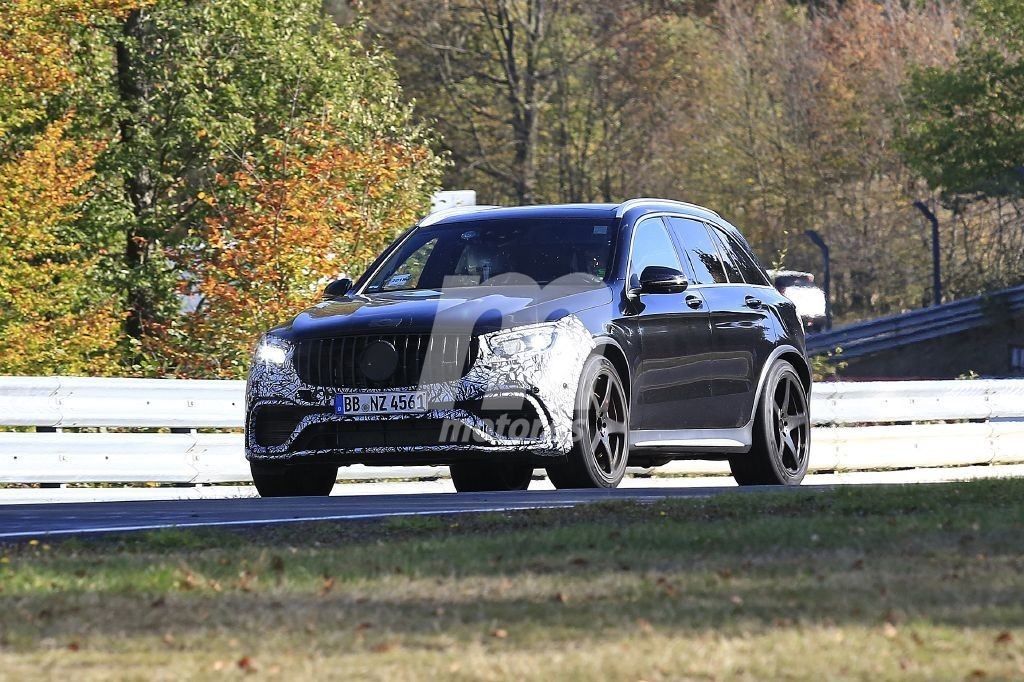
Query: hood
[[480, 309]]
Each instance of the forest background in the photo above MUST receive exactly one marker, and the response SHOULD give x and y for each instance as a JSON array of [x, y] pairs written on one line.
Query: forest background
[[176, 176]]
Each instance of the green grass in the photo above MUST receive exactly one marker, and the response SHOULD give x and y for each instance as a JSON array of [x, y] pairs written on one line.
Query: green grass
[[923, 582]]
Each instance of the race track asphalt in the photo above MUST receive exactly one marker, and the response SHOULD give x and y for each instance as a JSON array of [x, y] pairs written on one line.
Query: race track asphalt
[[25, 521]]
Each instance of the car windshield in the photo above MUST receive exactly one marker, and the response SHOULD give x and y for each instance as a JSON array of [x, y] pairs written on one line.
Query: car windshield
[[499, 252]]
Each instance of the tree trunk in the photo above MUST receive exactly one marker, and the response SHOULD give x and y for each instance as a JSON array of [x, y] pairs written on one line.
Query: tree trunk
[[138, 180]]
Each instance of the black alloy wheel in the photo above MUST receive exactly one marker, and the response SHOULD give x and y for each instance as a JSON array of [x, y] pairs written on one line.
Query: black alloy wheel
[[782, 432], [600, 431]]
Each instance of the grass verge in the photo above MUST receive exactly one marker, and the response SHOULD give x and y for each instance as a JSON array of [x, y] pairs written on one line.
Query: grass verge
[[921, 582]]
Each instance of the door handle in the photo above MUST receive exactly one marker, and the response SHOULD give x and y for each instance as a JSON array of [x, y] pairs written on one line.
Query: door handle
[[752, 302], [694, 302]]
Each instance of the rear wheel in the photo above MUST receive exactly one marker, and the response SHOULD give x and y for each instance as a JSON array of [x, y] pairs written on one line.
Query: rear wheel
[[600, 431], [782, 432], [473, 477], [294, 480]]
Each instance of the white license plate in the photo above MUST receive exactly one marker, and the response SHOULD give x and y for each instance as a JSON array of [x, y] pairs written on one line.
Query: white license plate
[[413, 402]]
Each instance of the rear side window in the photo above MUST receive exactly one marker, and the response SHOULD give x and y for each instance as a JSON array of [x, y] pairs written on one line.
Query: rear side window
[[652, 246], [751, 269], [705, 261], [731, 261]]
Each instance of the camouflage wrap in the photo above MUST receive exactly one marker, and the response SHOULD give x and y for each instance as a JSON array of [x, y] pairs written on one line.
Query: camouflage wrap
[[547, 380]]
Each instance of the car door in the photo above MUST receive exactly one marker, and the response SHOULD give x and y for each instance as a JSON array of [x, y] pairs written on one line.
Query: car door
[[672, 381], [740, 334]]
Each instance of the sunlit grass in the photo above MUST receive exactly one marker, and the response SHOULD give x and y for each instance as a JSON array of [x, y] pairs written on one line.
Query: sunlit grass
[[924, 582]]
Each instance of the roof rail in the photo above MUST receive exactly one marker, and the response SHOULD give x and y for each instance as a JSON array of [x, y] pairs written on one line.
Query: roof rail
[[626, 205], [438, 216]]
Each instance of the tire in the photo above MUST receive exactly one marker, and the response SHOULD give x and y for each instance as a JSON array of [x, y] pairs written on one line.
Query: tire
[[474, 477], [295, 480], [782, 432], [600, 448]]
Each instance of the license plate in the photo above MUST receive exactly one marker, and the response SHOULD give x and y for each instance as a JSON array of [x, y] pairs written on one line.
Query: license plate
[[413, 402]]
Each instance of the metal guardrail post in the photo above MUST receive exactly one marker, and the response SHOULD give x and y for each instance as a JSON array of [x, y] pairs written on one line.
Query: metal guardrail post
[[827, 274], [936, 261]]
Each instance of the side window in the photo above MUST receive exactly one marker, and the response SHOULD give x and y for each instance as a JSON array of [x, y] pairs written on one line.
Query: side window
[[751, 269], [651, 246], [705, 261], [729, 259]]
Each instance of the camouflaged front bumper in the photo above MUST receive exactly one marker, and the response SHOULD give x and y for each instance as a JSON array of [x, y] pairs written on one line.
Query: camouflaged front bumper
[[543, 383]]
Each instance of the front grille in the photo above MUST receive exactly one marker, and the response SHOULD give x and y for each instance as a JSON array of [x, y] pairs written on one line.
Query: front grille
[[422, 358]]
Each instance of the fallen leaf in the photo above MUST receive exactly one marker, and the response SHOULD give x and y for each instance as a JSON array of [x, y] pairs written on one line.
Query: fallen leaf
[[247, 664], [189, 582], [73, 646], [1004, 637]]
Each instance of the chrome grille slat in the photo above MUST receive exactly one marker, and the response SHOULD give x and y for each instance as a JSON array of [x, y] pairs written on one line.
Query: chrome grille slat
[[334, 362]]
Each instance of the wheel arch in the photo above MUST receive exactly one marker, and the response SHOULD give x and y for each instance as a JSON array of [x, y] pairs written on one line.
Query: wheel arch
[[794, 357], [799, 363], [608, 348]]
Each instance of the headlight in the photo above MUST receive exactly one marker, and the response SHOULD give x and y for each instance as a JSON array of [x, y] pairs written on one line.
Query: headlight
[[272, 351], [532, 340]]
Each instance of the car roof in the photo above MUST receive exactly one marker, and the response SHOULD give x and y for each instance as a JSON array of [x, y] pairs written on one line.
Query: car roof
[[462, 214]]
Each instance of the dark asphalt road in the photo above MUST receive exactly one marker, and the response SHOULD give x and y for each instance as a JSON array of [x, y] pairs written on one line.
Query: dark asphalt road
[[36, 520]]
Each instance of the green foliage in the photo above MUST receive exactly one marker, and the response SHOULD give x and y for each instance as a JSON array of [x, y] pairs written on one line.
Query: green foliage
[[207, 88], [967, 130], [966, 135], [828, 367], [192, 100]]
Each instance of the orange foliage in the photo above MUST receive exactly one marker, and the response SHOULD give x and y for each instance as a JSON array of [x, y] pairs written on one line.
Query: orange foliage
[[51, 320], [35, 51], [276, 235]]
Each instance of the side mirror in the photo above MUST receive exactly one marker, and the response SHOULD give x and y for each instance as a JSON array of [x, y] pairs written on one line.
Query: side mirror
[[657, 279], [338, 287]]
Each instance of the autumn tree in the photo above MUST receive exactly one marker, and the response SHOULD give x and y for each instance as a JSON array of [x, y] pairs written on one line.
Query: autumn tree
[[529, 95], [56, 315], [967, 131], [201, 90], [277, 232]]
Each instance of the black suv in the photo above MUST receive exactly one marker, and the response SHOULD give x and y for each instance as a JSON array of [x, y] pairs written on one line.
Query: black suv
[[578, 338]]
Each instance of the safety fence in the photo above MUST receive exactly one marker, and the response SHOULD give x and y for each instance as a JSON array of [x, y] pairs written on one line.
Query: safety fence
[[76, 430]]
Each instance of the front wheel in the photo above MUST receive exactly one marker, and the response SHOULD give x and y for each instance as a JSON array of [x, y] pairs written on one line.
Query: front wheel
[[293, 480], [600, 431], [782, 432]]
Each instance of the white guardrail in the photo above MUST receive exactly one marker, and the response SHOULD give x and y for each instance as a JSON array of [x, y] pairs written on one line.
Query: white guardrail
[[116, 430]]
